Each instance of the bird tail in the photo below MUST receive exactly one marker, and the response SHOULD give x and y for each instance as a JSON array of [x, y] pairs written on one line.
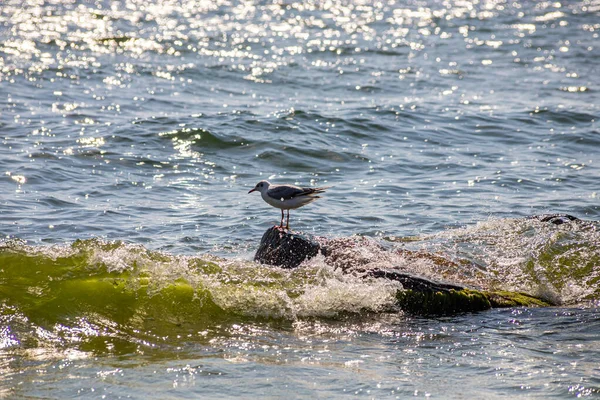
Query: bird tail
[[321, 189]]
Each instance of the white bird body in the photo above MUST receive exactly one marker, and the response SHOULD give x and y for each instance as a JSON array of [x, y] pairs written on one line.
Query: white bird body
[[286, 197]]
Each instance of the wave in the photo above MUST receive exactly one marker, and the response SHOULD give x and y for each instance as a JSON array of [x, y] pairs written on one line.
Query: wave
[[92, 288], [93, 292], [544, 257], [203, 139]]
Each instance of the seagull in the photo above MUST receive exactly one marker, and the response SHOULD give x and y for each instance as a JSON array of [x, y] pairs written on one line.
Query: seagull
[[286, 197]]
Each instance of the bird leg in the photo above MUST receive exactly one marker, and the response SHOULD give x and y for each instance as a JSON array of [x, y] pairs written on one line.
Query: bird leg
[[281, 224], [287, 225]]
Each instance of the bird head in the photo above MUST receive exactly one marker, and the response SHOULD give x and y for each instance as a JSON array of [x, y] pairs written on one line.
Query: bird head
[[261, 186]]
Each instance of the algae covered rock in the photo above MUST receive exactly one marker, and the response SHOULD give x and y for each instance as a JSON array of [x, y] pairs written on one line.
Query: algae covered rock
[[419, 295], [446, 302], [427, 297], [504, 299]]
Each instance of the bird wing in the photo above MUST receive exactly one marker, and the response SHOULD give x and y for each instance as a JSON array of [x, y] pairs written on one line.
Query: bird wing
[[286, 192]]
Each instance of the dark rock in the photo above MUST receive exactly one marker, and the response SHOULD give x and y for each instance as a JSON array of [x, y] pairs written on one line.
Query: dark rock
[[284, 249], [411, 282], [447, 302], [419, 295], [556, 219], [426, 297]]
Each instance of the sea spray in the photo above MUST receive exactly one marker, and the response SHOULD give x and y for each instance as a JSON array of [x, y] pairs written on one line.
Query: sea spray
[[559, 263]]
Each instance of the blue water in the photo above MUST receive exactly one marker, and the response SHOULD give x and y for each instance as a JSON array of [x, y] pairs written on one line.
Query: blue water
[[440, 126]]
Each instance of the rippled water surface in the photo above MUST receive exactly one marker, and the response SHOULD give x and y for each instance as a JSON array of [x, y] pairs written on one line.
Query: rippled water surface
[[131, 131]]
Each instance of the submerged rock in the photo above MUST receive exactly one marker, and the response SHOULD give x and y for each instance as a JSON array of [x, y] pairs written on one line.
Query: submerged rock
[[426, 297], [420, 295], [556, 219]]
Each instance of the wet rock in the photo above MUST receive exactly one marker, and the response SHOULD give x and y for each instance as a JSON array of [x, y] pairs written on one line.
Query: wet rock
[[427, 297], [419, 295], [285, 249], [445, 302], [504, 299], [556, 219], [422, 296], [411, 282]]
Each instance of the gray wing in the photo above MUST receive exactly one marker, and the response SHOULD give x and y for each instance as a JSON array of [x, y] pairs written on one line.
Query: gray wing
[[287, 192]]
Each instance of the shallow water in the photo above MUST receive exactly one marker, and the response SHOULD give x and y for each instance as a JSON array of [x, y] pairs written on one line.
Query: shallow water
[[131, 133], [505, 353]]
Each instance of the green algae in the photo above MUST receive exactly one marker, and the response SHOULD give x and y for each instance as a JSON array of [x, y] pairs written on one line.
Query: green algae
[[442, 302], [503, 299], [461, 301]]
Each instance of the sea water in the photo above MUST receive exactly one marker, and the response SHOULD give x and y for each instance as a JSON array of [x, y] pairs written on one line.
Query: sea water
[[131, 131]]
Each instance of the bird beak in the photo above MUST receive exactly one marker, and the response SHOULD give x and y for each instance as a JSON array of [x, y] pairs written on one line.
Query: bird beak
[[253, 190]]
